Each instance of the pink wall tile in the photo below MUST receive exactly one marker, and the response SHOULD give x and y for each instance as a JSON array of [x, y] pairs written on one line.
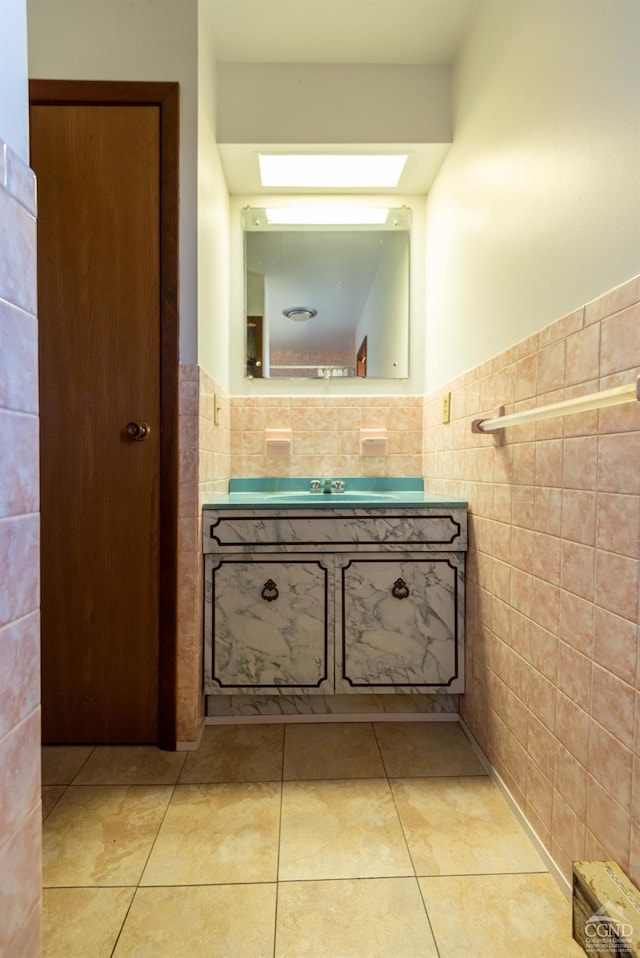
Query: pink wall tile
[[17, 259], [574, 675], [543, 651], [550, 372], [583, 356], [539, 794], [618, 458], [618, 523], [541, 746], [20, 880], [542, 698], [546, 605], [617, 584], [20, 813], [568, 833], [576, 621], [611, 764], [18, 359], [615, 642], [609, 822], [19, 670], [613, 705], [579, 516], [20, 780], [620, 341], [580, 465], [524, 378], [613, 301], [548, 510], [19, 478], [547, 558], [548, 469], [624, 417], [578, 569], [572, 727], [571, 780]]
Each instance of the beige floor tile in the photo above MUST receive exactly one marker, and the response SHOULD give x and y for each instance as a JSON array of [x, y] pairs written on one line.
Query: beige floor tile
[[219, 833], [341, 829], [331, 750], [219, 921], [462, 826], [416, 749], [61, 763], [102, 834], [130, 765], [366, 918], [50, 796], [236, 753], [500, 916], [82, 922]]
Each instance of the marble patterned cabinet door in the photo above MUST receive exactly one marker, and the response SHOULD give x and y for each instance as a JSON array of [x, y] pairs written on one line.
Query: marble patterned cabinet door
[[399, 623], [272, 623]]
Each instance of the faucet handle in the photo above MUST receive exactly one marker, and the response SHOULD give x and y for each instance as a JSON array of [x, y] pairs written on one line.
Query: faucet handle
[[315, 485], [338, 485]]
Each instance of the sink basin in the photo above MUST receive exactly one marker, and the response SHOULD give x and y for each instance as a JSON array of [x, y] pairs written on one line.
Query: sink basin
[[332, 498]]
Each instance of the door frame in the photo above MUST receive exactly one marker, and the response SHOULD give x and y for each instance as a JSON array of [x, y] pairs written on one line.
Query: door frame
[[166, 96]]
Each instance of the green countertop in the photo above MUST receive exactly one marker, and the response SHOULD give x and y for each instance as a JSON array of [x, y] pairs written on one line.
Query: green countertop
[[384, 492]]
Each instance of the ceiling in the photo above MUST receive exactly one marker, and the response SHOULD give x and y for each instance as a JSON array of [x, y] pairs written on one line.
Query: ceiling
[[422, 32]]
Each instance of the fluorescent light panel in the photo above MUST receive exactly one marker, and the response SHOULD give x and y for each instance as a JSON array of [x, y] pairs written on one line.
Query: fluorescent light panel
[[326, 216], [330, 170]]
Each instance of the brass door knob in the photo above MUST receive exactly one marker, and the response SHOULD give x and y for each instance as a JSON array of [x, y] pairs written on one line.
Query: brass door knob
[[137, 431]]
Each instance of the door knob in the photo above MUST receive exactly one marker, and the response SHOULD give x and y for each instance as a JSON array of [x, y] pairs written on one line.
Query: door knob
[[137, 431]]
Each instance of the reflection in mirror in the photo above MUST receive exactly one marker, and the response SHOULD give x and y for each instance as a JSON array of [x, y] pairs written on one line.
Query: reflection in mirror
[[327, 301]]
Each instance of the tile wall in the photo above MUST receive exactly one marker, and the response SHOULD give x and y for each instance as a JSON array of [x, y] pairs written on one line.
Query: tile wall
[[230, 442], [553, 577], [204, 470], [553, 568], [326, 435], [20, 811]]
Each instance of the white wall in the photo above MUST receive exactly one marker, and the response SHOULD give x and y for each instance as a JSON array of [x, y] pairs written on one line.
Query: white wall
[[132, 40], [536, 209], [14, 116], [213, 219], [333, 103]]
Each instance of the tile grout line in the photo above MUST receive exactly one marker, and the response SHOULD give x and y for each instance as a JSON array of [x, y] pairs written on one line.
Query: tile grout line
[[406, 842], [136, 887], [275, 911]]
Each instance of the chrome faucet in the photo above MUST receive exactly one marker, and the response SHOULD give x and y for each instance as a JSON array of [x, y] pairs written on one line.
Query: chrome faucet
[[327, 486]]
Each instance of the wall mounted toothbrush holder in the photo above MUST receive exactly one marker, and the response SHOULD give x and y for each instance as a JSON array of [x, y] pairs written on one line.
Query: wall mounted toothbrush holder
[[277, 443], [373, 442]]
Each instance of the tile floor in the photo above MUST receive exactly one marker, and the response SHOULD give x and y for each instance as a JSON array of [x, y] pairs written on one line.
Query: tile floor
[[383, 840]]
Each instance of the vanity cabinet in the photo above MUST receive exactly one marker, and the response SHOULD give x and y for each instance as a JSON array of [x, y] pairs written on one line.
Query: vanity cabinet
[[268, 623], [398, 622], [349, 600]]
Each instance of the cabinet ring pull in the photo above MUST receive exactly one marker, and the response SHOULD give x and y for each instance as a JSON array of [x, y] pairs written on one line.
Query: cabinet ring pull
[[269, 591], [400, 590]]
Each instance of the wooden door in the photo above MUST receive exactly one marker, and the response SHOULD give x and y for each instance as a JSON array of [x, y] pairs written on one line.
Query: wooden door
[[98, 168]]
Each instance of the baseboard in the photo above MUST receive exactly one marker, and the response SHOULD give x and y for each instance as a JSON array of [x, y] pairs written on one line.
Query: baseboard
[[554, 870], [191, 746], [280, 719]]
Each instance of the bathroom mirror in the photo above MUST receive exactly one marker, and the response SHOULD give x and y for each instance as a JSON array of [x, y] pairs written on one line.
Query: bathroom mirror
[[327, 301]]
